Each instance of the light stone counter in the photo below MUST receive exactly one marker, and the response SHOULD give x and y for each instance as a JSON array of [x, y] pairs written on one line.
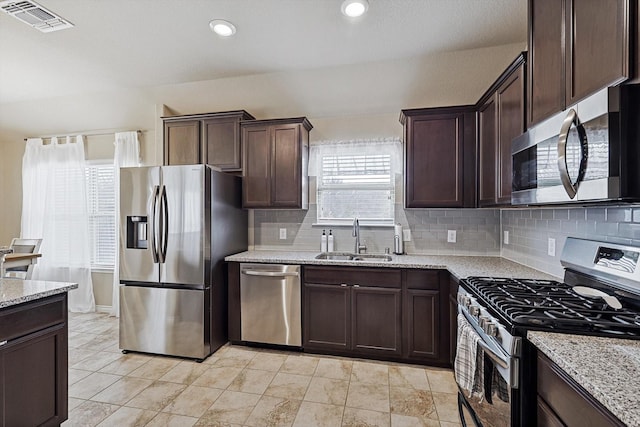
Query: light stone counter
[[17, 291], [459, 266], [608, 368]]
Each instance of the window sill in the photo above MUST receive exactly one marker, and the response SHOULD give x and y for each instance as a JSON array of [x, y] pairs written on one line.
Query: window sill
[[350, 224]]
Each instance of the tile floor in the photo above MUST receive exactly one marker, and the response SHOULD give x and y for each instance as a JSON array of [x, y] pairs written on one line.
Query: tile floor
[[241, 386]]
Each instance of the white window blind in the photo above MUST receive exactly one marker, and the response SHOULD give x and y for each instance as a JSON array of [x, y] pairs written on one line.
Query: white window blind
[[356, 180], [102, 214]]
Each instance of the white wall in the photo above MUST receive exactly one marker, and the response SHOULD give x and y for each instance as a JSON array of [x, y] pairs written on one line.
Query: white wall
[[353, 101]]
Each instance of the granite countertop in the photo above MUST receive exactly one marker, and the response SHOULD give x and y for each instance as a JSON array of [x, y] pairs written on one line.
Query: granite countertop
[[459, 266], [608, 368], [17, 291]]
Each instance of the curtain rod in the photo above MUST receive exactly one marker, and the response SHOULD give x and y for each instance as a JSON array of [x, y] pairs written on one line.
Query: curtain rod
[[90, 133]]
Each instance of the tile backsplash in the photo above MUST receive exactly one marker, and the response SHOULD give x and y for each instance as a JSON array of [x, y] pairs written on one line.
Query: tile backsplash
[[530, 229], [479, 231]]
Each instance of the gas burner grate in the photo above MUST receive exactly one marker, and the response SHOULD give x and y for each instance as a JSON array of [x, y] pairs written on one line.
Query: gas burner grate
[[544, 304]]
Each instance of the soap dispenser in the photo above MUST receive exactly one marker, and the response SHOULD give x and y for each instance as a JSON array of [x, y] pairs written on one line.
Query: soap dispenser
[[330, 242], [323, 242]]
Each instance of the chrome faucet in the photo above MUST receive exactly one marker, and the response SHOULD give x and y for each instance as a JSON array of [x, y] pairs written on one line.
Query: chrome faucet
[[356, 233]]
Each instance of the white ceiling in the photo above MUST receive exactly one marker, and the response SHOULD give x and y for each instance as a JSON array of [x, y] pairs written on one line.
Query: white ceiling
[[119, 44]]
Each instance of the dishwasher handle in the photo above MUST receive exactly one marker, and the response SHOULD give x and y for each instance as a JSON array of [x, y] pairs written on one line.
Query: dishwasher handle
[[265, 273]]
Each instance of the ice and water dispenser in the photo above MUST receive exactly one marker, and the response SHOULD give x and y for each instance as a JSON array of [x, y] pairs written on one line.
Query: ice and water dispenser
[[137, 232]]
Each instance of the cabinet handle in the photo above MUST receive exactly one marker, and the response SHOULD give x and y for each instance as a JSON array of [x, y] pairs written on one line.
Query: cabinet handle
[[3, 342], [344, 285], [356, 286]]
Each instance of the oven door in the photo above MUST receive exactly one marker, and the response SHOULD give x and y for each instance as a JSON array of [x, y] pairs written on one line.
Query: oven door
[[490, 403]]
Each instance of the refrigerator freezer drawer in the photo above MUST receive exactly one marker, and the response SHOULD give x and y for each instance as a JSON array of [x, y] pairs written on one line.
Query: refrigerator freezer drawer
[[163, 321], [270, 305]]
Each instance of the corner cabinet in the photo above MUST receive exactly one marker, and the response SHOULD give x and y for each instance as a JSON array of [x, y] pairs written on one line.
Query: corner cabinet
[[575, 49], [274, 163], [440, 157], [33, 363], [212, 138], [501, 118], [563, 402]]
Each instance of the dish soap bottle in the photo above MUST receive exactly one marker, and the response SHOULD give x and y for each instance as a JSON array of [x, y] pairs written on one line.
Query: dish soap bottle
[[330, 242], [323, 242]]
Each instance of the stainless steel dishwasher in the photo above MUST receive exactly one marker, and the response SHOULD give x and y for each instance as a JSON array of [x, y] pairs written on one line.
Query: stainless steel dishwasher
[[270, 305]]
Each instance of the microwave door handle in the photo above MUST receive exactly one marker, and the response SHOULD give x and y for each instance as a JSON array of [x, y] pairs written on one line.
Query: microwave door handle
[[572, 187], [154, 224]]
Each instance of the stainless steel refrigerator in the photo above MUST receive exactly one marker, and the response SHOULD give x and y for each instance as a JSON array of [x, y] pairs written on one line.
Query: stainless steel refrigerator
[[177, 225]]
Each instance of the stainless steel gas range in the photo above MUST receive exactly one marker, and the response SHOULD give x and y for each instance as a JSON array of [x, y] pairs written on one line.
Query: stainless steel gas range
[[600, 296]]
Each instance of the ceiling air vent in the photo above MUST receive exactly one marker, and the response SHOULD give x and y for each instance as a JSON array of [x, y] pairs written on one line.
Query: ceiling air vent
[[35, 15]]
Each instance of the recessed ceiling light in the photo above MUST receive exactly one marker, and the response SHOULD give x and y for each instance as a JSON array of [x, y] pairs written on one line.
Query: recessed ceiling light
[[222, 28], [354, 8]]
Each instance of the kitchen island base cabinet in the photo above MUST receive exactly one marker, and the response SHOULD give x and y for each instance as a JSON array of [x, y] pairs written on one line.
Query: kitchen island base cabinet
[[563, 402], [33, 363]]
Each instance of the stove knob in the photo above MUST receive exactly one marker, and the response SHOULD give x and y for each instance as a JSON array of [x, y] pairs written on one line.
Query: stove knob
[[474, 310], [464, 300], [492, 330], [484, 321]]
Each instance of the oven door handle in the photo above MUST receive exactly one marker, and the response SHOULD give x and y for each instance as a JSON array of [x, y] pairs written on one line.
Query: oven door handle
[[572, 119], [495, 357]]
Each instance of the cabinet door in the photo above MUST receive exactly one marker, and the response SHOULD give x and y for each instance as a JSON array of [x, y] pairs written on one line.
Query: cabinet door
[[423, 332], [597, 37], [487, 143], [327, 317], [222, 143], [286, 165], [546, 90], [256, 170], [34, 375], [376, 320], [182, 143], [434, 161], [510, 105]]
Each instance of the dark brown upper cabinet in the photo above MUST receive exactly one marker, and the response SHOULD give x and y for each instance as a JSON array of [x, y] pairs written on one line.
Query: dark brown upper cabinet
[[440, 157], [212, 138], [501, 118], [275, 160], [576, 47]]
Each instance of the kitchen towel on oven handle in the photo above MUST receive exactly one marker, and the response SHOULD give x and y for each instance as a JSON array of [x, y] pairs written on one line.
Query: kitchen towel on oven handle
[[466, 364]]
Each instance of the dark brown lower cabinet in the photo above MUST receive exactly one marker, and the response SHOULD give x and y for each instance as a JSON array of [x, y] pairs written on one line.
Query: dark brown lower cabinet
[[381, 313], [352, 311], [563, 402], [33, 363], [327, 317]]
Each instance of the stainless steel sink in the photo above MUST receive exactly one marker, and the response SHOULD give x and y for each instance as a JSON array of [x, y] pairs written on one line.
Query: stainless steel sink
[[346, 256]]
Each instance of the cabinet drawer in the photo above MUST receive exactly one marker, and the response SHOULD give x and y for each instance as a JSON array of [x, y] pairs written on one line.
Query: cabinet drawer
[[374, 277], [30, 317]]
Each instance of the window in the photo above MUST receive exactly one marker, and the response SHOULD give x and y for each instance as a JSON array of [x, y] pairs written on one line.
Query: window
[[357, 179], [102, 214]]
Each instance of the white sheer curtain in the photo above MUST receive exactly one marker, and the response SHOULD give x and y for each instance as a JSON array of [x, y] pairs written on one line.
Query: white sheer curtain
[[127, 153], [54, 208]]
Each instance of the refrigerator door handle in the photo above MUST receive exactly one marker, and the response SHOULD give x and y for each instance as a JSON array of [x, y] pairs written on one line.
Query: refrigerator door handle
[[165, 224], [154, 224]]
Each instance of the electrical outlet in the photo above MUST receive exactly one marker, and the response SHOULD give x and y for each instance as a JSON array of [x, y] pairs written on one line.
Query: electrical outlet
[[506, 237], [451, 236], [406, 235], [551, 248], [283, 234]]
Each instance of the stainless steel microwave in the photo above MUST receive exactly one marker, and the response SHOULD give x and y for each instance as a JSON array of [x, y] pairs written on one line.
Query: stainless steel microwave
[[588, 153]]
